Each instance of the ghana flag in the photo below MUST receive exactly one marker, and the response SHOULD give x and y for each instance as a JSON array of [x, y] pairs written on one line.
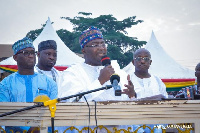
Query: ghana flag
[[14, 68], [177, 84]]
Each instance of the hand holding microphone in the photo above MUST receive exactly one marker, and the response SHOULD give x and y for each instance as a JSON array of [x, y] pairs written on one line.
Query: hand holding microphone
[[107, 71]]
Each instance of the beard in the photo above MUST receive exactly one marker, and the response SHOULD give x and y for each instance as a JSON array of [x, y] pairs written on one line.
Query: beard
[[50, 65]]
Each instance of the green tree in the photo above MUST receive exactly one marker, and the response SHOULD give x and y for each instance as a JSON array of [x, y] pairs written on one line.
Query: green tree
[[120, 46], [70, 38], [33, 34]]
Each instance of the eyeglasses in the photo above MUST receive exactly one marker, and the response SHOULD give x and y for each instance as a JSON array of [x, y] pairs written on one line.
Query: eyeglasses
[[27, 53], [97, 45], [142, 58]]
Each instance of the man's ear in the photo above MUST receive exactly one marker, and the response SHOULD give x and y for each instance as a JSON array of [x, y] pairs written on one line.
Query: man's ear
[[133, 62], [15, 57], [150, 62], [38, 54], [195, 74], [83, 50]]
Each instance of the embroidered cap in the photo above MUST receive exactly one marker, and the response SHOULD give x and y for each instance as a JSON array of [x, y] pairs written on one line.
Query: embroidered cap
[[88, 35], [48, 44], [22, 44]]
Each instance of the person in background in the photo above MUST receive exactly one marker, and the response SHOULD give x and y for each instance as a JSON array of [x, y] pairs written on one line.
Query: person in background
[[197, 74], [47, 57], [91, 75], [145, 84], [25, 84]]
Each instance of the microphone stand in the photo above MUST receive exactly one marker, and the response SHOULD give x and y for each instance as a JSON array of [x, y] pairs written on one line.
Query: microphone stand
[[52, 104], [87, 92]]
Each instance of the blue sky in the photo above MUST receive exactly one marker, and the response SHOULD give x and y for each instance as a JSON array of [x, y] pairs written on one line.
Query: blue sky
[[176, 23]]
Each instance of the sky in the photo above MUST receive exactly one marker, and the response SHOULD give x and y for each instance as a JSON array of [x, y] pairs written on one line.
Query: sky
[[176, 23]]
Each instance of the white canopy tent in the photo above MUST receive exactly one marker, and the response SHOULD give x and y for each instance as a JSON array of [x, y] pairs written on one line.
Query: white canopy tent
[[65, 57], [163, 65]]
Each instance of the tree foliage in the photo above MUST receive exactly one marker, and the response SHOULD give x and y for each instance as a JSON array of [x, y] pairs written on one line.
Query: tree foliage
[[70, 38], [33, 34], [120, 45]]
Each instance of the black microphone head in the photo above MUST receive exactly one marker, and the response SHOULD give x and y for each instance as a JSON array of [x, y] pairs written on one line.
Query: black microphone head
[[113, 77], [105, 60]]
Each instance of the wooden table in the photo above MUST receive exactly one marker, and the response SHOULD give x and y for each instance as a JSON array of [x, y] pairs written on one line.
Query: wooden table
[[108, 113]]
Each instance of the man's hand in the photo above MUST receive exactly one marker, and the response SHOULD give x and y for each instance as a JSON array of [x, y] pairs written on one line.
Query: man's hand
[[130, 88], [105, 74]]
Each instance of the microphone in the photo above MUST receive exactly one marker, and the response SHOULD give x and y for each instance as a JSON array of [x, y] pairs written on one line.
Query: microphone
[[115, 79], [105, 60], [41, 98]]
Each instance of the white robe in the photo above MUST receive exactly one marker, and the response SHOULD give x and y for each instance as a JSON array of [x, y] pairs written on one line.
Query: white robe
[[148, 87], [83, 77], [58, 75]]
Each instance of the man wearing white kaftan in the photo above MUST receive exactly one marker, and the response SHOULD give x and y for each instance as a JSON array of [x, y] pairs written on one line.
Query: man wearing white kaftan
[[91, 75], [53, 74], [145, 84], [148, 87], [83, 77]]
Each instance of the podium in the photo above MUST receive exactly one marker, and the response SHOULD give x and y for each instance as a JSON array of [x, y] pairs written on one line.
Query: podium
[[107, 113]]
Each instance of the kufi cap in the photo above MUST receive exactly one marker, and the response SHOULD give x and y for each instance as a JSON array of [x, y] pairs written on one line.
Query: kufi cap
[[48, 44], [88, 35], [22, 44]]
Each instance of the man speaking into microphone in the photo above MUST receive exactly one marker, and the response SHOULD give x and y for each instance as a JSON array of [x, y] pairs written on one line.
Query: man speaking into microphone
[[91, 74]]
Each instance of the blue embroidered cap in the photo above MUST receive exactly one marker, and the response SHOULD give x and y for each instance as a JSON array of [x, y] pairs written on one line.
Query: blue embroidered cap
[[22, 44], [88, 35]]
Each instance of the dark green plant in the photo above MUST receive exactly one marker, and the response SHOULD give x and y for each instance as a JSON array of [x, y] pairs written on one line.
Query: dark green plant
[[120, 45]]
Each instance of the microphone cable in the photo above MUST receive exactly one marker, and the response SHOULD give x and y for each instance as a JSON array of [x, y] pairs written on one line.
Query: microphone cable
[[95, 113], [89, 113]]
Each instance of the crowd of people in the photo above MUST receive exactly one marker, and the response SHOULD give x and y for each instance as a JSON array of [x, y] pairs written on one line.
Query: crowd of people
[[42, 78]]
